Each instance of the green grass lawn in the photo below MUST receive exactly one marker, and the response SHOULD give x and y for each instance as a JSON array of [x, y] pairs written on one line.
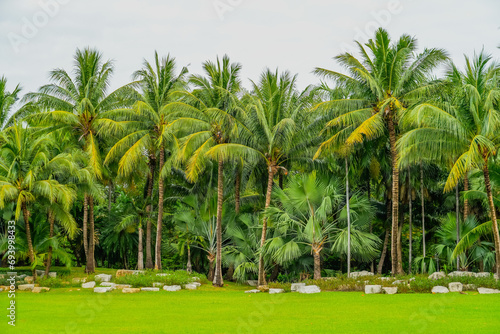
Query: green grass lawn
[[229, 310]]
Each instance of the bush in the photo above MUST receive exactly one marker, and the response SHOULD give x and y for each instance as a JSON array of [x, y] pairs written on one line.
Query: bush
[[279, 285], [179, 277]]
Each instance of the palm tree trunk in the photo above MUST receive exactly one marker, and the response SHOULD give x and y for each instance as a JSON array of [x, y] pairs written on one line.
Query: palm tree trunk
[[90, 268], [211, 270], [218, 281], [368, 189], [496, 236], [159, 222], [31, 253], [348, 219], [400, 246], [237, 191], [51, 235], [410, 248], [140, 255], [149, 209], [85, 223], [384, 251], [189, 267], [423, 208], [466, 201], [271, 172], [317, 265], [457, 218], [396, 262]]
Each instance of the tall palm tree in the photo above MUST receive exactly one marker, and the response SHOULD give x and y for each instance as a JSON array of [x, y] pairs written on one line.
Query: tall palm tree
[[81, 106], [152, 132], [464, 126], [383, 83], [209, 113], [26, 176], [7, 100], [274, 132]]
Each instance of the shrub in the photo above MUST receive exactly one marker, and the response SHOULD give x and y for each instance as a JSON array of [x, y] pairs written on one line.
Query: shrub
[[179, 277]]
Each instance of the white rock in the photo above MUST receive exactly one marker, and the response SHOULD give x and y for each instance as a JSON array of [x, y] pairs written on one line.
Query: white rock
[[385, 278], [131, 290], [254, 291], [150, 289], [38, 289], [252, 282], [390, 291], [412, 279], [102, 289], [40, 273], [196, 279], [496, 276], [371, 289], [482, 274], [88, 285], [122, 286], [309, 289], [53, 274], [440, 289], [26, 287], [295, 286], [172, 287], [486, 291], [103, 278], [437, 275], [190, 286], [273, 291], [455, 287], [108, 284], [398, 282], [162, 274], [357, 274], [1, 289], [461, 274], [470, 286], [78, 280], [198, 284]]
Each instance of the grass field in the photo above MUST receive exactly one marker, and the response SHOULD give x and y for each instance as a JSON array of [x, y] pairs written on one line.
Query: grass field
[[229, 310]]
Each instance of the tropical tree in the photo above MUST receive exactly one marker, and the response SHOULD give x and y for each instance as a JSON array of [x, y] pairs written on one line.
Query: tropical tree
[[81, 106], [7, 100], [384, 81], [464, 126], [26, 176], [150, 135]]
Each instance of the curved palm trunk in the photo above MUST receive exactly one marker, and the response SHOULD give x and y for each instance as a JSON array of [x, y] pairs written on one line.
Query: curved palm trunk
[[396, 261], [348, 219], [140, 255], [423, 208], [218, 281], [31, 253], [457, 218], [384, 251], [149, 208], [51, 235], [317, 264], [496, 236], [410, 246], [90, 268], [85, 224], [159, 222], [262, 274]]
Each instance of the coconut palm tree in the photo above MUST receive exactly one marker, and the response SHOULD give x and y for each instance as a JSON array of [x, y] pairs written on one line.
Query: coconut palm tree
[[26, 175], [209, 113], [383, 82], [274, 132], [464, 127], [151, 134], [82, 107], [7, 100]]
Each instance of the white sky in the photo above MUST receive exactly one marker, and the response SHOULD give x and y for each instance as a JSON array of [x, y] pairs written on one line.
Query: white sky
[[295, 35]]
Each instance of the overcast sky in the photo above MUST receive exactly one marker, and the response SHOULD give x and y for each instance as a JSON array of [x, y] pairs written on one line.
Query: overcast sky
[[295, 35]]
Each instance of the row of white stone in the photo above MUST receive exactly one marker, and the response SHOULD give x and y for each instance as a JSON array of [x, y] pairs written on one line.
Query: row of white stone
[[296, 287], [126, 288]]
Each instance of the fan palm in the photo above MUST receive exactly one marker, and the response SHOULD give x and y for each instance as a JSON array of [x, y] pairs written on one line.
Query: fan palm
[[382, 85], [465, 127]]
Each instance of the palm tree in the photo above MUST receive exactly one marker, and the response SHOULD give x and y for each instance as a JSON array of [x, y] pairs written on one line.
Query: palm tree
[[150, 135], [7, 100], [82, 107], [274, 130], [209, 112], [383, 83], [464, 126], [26, 170]]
